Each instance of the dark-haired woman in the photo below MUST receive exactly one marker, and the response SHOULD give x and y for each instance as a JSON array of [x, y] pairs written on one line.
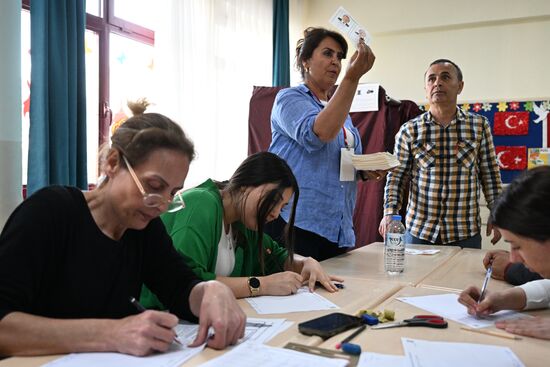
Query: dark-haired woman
[[522, 215], [70, 260], [314, 133], [220, 232]]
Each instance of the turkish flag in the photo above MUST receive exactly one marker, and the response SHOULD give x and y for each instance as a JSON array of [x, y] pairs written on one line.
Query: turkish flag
[[511, 123], [511, 158]]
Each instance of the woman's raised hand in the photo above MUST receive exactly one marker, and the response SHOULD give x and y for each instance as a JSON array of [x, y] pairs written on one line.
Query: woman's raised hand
[[361, 61]]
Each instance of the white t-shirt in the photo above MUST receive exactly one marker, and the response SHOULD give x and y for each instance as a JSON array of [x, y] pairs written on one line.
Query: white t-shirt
[[225, 262]]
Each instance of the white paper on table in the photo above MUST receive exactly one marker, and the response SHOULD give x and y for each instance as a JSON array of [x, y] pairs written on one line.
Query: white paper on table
[[263, 334], [174, 357], [446, 305], [345, 23], [368, 359], [414, 251], [423, 353], [252, 354], [302, 301], [366, 98]]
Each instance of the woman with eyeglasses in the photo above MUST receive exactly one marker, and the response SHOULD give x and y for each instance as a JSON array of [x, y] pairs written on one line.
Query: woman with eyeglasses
[[70, 261], [221, 232]]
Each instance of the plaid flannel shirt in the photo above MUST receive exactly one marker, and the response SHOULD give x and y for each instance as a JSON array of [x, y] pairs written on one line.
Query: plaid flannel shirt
[[444, 167]]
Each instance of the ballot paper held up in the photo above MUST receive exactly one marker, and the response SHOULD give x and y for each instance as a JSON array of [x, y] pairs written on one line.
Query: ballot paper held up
[[345, 23]]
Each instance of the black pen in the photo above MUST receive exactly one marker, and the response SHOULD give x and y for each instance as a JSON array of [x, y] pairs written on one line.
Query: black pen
[[140, 308], [348, 347]]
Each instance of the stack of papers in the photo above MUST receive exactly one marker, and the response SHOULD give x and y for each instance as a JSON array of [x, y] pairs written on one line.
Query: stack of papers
[[375, 161]]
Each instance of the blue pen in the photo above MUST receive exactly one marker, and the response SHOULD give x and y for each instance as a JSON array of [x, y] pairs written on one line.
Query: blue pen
[[485, 283]]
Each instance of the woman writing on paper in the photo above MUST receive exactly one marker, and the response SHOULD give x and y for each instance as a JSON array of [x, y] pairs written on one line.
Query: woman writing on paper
[[70, 260], [220, 232], [313, 132], [522, 213]]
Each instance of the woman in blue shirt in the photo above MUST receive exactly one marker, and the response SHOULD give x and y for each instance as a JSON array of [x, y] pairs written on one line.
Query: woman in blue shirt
[[311, 129]]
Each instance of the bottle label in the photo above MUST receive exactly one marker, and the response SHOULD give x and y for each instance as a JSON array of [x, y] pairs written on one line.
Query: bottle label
[[395, 239]]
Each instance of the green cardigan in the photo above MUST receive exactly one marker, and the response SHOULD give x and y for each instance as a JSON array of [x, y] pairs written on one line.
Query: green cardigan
[[196, 231]]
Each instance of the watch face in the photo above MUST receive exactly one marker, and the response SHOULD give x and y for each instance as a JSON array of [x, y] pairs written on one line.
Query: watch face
[[254, 282]]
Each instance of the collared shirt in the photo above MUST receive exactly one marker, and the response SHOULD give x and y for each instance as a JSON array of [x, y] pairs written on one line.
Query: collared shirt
[[445, 167], [326, 204]]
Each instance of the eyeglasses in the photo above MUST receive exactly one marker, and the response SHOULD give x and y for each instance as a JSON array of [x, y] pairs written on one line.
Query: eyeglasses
[[156, 200]]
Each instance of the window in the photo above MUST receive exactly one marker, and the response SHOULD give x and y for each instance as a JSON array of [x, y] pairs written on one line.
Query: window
[[119, 64]]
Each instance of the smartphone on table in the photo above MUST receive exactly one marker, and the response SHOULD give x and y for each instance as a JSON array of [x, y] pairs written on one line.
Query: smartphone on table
[[329, 325]]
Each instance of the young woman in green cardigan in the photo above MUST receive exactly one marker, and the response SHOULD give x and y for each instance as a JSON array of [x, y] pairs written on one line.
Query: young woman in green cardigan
[[220, 232]]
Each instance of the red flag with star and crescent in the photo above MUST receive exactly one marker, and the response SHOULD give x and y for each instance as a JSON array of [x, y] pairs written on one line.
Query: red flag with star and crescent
[[511, 157], [511, 123]]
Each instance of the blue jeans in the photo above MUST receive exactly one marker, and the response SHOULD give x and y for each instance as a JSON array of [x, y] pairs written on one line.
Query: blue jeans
[[471, 242]]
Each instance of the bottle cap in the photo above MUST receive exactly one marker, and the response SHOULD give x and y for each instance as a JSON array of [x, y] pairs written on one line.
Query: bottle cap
[[396, 217], [350, 348]]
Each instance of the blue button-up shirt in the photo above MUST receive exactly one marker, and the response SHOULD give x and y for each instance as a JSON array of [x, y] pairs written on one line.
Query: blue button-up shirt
[[326, 204]]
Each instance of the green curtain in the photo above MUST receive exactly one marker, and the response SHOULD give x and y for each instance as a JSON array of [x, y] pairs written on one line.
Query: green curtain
[[281, 64], [57, 137]]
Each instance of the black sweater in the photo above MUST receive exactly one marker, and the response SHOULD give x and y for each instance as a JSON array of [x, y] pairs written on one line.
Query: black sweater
[[56, 262]]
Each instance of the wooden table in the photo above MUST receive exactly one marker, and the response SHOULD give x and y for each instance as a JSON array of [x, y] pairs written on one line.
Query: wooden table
[[368, 286], [532, 352], [462, 270], [368, 263], [357, 294]]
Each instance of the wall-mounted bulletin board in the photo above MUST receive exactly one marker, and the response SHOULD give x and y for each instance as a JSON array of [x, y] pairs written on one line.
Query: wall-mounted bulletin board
[[521, 133]]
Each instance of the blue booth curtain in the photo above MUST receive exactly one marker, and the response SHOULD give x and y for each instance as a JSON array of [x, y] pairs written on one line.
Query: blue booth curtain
[[57, 137], [281, 64]]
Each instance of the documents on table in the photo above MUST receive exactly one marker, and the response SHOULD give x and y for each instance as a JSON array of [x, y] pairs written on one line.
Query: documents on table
[[374, 161], [423, 353], [414, 251], [252, 354], [257, 330], [447, 305], [302, 301], [262, 330], [368, 359], [174, 357]]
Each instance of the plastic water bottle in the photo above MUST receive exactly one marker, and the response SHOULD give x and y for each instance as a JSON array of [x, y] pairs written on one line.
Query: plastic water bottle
[[394, 248]]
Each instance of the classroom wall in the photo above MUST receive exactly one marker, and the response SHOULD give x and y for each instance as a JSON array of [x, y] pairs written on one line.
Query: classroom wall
[[501, 45], [10, 107]]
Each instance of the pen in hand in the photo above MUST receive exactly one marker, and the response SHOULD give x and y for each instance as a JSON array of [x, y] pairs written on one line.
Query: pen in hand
[[485, 282], [140, 308]]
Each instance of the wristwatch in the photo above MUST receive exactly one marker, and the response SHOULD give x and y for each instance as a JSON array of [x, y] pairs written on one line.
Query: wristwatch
[[254, 286]]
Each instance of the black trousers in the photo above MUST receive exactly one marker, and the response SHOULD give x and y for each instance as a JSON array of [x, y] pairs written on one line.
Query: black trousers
[[306, 243]]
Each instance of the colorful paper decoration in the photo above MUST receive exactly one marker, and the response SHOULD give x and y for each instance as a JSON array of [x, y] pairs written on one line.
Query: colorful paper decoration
[[511, 157], [538, 157], [511, 123]]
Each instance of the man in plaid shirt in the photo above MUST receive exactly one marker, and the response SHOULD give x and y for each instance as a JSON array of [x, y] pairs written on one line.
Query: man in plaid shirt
[[446, 154]]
